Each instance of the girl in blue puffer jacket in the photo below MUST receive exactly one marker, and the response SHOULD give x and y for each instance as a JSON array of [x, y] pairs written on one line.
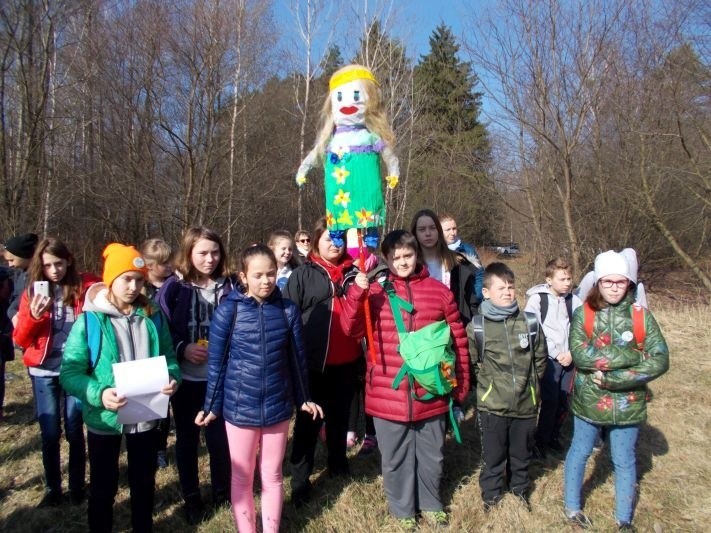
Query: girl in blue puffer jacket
[[256, 372]]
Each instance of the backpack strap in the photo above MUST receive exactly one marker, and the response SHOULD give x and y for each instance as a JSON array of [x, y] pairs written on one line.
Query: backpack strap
[[588, 319], [532, 326], [544, 306], [94, 337], [397, 304], [478, 329], [568, 306], [638, 327]]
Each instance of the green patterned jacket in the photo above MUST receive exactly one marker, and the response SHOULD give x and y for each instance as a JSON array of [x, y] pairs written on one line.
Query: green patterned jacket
[[622, 397]]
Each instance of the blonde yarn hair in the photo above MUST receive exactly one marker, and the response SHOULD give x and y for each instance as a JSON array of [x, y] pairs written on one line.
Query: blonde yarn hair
[[376, 119]]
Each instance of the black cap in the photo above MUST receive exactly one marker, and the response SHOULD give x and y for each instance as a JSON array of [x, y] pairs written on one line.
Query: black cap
[[22, 245]]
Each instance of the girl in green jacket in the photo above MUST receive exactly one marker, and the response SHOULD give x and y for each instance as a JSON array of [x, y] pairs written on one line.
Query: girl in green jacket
[[129, 331], [617, 349]]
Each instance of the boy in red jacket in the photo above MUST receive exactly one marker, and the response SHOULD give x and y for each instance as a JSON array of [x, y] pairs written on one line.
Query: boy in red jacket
[[410, 432]]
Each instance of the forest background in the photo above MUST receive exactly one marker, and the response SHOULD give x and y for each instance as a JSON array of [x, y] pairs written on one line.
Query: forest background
[[126, 120]]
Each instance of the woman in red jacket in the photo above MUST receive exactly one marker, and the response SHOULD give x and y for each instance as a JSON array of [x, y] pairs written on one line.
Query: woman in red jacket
[[44, 322], [410, 432]]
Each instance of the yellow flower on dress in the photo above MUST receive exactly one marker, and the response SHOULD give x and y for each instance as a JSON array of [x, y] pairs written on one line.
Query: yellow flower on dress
[[330, 221], [364, 217], [345, 218], [340, 173], [342, 198]]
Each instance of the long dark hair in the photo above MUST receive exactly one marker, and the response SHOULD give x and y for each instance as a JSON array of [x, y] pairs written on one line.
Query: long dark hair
[[70, 283], [449, 258]]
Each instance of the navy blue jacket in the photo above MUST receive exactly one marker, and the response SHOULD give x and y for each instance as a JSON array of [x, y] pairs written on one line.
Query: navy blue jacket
[[174, 298], [265, 372]]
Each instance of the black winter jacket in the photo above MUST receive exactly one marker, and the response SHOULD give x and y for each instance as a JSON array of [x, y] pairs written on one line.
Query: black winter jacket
[[312, 290]]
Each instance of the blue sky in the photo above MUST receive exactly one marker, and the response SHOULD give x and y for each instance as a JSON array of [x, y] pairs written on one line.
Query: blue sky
[[411, 21]]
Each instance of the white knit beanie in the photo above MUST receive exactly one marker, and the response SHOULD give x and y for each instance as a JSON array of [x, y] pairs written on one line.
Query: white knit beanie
[[611, 262], [631, 257]]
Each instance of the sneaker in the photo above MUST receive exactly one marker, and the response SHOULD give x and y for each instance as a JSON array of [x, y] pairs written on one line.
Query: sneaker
[[491, 504], [625, 526], [436, 518], [408, 524], [524, 498], [77, 496], [51, 498], [162, 461], [370, 444], [577, 518], [351, 440], [194, 510]]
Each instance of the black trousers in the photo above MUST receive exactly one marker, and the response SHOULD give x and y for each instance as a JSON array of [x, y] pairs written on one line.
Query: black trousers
[[333, 391], [104, 451], [504, 439]]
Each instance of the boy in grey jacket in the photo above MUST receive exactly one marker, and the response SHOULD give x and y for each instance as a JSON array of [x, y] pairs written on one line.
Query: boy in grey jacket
[[553, 304]]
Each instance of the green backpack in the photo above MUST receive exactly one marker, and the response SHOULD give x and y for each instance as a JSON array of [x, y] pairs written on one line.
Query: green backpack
[[428, 356]]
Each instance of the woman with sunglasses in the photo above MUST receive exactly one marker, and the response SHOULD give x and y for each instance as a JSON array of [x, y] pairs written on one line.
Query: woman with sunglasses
[[617, 348], [302, 239]]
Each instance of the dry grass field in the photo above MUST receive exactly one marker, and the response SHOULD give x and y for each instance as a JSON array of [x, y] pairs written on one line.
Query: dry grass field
[[673, 466]]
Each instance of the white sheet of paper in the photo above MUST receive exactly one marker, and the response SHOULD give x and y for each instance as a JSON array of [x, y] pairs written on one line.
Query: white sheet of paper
[[141, 382]]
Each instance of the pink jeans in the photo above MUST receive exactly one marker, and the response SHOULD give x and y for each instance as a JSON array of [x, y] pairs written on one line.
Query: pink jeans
[[244, 443]]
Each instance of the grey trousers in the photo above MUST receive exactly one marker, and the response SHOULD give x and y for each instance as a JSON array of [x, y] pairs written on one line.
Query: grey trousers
[[412, 459]]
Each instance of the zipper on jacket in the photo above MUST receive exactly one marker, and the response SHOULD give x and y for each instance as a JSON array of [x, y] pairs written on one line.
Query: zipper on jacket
[[330, 317], [131, 339], [612, 331], [513, 369], [264, 363], [412, 325]]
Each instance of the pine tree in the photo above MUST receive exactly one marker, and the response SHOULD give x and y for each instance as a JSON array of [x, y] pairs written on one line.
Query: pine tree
[[452, 143], [450, 104]]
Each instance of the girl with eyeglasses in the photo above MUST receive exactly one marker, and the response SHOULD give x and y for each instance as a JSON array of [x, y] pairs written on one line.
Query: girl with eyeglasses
[[617, 348]]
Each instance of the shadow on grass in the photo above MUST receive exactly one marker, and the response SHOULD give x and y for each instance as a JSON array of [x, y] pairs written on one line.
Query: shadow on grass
[[461, 461], [325, 489], [650, 443]]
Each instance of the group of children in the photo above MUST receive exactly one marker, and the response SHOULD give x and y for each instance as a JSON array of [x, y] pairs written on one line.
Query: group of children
[[241, 355]]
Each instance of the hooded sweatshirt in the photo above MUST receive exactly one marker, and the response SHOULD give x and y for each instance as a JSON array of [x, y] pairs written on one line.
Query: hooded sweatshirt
[[132, 337], [556, 327]]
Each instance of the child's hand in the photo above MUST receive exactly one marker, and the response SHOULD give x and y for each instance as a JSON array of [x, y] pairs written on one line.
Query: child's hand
[[565, 358], [202, 420], [313, 409], [39, 305], [597, 378], [111, 400], [170, 388], [362, 281], [195, 353]]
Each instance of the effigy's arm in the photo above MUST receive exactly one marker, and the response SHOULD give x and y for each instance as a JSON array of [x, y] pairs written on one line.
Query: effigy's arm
[[307, 164], [393, 165]]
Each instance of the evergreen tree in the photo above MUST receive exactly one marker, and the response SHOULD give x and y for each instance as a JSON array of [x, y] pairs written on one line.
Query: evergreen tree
[[449, 102], [452, 143], [332, 61]]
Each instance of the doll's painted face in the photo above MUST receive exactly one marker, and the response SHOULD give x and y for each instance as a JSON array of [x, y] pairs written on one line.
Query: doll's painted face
[[348, 103]]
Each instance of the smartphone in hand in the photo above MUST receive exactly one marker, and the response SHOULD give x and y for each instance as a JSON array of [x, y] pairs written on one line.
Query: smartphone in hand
[[42, 288]]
